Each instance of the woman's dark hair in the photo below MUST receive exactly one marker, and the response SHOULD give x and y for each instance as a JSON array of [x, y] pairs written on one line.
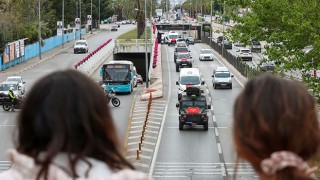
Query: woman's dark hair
[[273, 114], [66, 111]]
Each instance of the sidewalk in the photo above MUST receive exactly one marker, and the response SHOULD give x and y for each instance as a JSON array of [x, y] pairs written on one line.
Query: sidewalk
[[19, 68]]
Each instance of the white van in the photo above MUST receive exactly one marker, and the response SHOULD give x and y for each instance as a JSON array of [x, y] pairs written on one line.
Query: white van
[[172, 37], [222, 78], [189, 77]]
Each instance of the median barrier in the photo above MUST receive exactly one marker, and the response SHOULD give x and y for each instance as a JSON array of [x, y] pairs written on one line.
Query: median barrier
[[95, 58]]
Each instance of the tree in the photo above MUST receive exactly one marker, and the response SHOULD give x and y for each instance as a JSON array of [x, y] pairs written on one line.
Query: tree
[[288, 26]]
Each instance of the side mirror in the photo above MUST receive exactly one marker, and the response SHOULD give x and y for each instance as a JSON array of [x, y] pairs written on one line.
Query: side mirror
[[23, 82], [202, 82], [212, 76], [177, 105], [189, 51], [177, 82], [209, 107], [232, 75], [190, 57]]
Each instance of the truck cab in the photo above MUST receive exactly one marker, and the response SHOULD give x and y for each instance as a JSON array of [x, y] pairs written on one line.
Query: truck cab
[[193, 109]]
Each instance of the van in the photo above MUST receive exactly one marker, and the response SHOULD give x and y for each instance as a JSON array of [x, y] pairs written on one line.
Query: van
[[222, 78], [172, 37], [188, 77]]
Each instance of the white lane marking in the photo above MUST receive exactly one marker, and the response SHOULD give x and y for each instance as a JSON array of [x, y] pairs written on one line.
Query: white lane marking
[[209, 99], [214, 118], [216, 131], [5, 122], [219, 148], [7, 125], [155, 155]]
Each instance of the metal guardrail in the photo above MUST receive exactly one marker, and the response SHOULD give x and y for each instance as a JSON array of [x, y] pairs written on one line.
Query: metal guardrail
[[242, 67], [132, 42]]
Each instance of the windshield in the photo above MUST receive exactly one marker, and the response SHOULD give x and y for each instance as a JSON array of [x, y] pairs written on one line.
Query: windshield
[[190, 38], [245, 51], [180, 56], [206, 52], [256, 43], [222, 75], [173, 36], [81, 43], [199, 103], [186, 103], [182, 50], [189, 80], [6, 87], [14, 79], [119, 74]]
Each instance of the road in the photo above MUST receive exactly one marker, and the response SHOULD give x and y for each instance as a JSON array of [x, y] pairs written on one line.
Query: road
[[194, 153], [65, 60]]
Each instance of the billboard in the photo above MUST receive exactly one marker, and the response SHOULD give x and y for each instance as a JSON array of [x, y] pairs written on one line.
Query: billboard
[[59, 28], [159, 12], [13, 51], [77, 23], [89, 19]]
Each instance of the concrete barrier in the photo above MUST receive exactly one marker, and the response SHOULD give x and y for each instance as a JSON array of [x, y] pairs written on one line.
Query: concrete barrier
[[93, 60]]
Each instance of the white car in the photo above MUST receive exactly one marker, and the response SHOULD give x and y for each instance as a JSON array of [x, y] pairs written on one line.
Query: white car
[[244, 54], [19, 80], [7, 85], [206, 54], [80, 46], [222, 78]]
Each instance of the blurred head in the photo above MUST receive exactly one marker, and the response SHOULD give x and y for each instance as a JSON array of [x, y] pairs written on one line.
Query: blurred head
[[273, 114], [61, 116], [11, 89]]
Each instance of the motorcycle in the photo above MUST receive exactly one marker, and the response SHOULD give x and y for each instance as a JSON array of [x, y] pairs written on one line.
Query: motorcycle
[[7, 103], [111, 96]]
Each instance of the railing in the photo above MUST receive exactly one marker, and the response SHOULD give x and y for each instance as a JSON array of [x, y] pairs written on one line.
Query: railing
[[94, 59], [242, 67], [133, 42]]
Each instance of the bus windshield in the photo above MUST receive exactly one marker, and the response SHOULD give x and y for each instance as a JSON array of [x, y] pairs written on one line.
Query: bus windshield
[[118, 74]]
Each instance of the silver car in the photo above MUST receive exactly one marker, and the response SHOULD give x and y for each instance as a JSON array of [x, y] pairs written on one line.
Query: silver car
[[19, 80], [7, 85], [206, 55]]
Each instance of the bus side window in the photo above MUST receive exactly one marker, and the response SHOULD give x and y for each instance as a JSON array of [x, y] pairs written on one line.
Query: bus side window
[[100, 72]]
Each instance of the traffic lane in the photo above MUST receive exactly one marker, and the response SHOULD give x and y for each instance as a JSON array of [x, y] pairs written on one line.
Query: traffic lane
[[61, 61], [188, 153], [120, 114], [67, 58], [222, 102], [7, 129]]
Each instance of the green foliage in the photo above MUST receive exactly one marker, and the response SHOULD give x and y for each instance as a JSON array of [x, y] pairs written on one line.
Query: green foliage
[[288, 26]]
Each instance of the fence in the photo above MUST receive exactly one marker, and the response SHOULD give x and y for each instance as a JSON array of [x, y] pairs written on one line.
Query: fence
[[242, 67], [32, 50]]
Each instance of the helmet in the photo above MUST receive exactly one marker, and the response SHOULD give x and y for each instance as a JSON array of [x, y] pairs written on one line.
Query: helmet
[[11, 88]]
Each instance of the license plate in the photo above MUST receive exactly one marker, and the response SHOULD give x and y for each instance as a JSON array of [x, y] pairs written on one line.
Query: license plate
[[189, 123]]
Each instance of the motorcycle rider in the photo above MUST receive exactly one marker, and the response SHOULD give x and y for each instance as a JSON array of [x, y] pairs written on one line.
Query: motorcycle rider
[[12, 97]]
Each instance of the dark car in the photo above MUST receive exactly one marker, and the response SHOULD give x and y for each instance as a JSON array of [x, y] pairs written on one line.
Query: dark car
[[227, 44], [219, 39], [183, 60], [179, 50], [193, 109], [139, 79]]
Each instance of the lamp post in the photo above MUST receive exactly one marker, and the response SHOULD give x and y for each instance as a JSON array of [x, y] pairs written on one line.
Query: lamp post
[[210, 22], [91, 18], [80, 17], [146, 42], [39, 30], [99, 13], [62, 23]]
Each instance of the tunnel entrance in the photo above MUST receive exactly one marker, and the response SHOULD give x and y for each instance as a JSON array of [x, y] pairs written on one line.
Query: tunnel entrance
[[138, 60]]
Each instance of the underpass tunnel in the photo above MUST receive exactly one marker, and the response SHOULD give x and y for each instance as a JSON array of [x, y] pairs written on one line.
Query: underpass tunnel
[[138, 60]]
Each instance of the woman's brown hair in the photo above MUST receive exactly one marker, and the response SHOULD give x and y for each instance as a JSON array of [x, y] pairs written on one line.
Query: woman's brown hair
[[273, 114], [67, 112]]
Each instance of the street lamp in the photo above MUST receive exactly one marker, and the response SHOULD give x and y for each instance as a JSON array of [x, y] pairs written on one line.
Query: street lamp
[[211, 22], [146, 42], [80, 17], [39, 30], [91, 18], [62, 23]]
